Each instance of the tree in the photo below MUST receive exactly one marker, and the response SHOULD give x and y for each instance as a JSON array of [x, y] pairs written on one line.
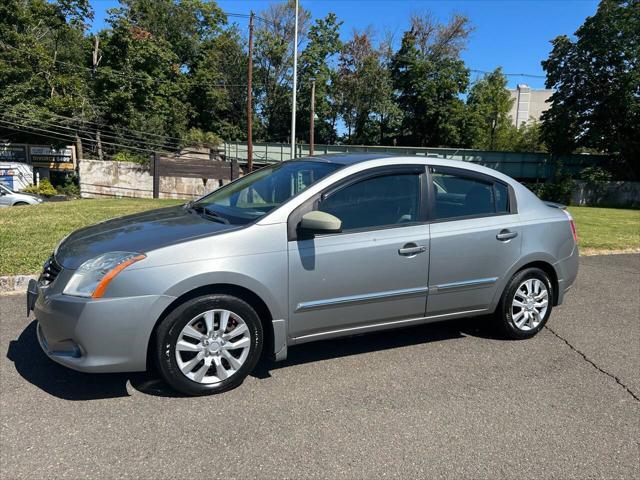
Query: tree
[[274, 66], [364, 89], [316, 64], [429, 78], [596, 77], [41, 46], [489, 103]]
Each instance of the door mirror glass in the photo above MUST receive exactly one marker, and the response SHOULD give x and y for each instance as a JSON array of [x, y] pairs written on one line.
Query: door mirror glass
[[317, 222]]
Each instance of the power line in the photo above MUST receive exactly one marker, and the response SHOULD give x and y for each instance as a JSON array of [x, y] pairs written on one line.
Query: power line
[[108, 128], [80, 130], [528, 75], [70, 137]]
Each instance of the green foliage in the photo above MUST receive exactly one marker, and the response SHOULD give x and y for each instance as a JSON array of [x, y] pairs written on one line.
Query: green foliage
[[596, 179], [558, 189], [124, 156], [489, 103], [273, 67], [365, 91], [596, 76], [430, 76], [316, 64], [44, 188], [595, 175], [69, 189], [197, 138], [177, 69]]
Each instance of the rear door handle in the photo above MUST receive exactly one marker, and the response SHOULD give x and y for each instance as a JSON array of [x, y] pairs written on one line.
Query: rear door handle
[[411, 249], [505, 235]]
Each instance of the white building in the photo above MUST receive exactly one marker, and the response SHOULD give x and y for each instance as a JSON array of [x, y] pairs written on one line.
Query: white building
[[528, 104]]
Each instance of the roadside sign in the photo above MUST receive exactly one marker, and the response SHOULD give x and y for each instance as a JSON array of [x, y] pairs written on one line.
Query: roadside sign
[[52, 158], [13, 153]]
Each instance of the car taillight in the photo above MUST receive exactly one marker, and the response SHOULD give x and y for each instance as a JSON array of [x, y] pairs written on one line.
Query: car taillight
[[572, 224]]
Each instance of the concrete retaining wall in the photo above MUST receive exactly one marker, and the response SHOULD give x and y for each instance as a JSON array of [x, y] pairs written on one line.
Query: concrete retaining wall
[[611, 194], [124, 179]]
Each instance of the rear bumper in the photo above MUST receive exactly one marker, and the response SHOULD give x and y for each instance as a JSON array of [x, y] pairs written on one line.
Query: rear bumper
[[567, 270], [97, 335]]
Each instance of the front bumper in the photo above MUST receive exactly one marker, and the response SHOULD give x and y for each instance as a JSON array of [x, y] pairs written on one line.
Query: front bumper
[[97, 335]]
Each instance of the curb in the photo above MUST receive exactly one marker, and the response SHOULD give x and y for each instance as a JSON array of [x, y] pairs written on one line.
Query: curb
[[15, 283]]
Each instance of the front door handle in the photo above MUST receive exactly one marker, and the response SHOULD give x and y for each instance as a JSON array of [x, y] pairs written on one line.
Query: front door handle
[[505, 235], [411, 249]]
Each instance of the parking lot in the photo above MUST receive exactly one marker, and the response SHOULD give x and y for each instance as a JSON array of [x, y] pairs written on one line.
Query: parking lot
[[445, 400]]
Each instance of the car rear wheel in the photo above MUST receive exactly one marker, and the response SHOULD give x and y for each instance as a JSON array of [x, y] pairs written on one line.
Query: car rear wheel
[[20, 204], [209, 344], [526, 304]]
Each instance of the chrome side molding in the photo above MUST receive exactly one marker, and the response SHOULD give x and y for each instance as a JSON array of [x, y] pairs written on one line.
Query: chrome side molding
[[363, 298], [383, 325], [453, 286]]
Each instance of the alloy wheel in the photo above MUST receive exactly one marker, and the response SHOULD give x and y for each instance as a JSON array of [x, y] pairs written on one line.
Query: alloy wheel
[[213, 346], [530, 304]]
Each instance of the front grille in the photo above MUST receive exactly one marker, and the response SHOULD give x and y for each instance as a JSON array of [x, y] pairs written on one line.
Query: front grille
[[50, 272]]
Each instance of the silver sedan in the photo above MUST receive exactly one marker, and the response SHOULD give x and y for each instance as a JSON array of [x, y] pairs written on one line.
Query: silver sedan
[[9, 198], [305, 250]]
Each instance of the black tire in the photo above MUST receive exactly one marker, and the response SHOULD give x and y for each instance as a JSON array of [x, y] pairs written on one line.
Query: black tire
[[169, 331], [503, 319], [20, 204]]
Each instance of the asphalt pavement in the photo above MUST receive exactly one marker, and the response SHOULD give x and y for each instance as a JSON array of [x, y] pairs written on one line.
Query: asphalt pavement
[[445, 400]]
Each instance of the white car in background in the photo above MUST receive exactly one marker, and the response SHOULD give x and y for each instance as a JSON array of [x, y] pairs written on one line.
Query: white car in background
[[9, 198]]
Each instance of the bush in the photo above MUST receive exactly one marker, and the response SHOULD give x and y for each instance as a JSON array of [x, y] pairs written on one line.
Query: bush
[[557, 190], [130, 157], [45, 189], [69, 189], [596, 176], [197, 138]]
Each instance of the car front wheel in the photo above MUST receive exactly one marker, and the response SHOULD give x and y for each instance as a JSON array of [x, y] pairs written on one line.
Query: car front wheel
[[209, 344], [526, 304]]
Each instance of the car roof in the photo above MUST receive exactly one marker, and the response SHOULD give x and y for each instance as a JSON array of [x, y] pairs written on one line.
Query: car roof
[[346, 158]]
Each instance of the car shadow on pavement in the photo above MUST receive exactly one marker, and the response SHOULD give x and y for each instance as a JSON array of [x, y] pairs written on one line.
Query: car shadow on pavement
[[372, 342], [34, 366]]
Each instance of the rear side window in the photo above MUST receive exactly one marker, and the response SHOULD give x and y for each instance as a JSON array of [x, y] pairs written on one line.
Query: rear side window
[[501, 192], [458, 195], [376, 202]]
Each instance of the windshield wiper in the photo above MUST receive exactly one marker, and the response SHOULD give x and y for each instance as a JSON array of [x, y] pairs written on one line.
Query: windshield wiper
[[206, 213]]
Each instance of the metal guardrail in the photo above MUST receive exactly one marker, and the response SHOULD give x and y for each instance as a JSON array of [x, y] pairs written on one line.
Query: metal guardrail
[[526, 166]]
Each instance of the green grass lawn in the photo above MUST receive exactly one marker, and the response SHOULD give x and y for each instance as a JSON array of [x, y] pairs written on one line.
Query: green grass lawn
[[607, 229], [28, 235]]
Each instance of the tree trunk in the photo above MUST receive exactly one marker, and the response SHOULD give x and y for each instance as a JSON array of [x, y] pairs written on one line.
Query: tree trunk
[[99, 144], [79, 152]]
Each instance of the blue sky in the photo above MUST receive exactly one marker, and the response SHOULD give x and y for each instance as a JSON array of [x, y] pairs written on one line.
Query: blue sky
[[514, 34]]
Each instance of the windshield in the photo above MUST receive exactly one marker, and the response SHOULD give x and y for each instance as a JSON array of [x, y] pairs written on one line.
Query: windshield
[[255, 195]]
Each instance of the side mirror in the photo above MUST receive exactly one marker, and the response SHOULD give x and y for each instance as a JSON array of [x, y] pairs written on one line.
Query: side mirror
[[317, 222]]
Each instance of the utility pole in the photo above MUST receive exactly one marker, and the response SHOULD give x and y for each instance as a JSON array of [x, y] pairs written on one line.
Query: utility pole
[[250, 98], [295, 84], [313, 114], [96, 57]]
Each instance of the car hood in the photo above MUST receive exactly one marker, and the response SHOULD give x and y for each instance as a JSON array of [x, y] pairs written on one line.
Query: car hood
[[140, 232]]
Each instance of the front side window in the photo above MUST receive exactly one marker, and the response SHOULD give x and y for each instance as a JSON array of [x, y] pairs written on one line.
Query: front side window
[[457, 195], [257, 194], [379, 201]]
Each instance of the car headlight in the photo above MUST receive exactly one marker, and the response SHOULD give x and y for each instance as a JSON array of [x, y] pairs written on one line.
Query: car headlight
[[93, 276]]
